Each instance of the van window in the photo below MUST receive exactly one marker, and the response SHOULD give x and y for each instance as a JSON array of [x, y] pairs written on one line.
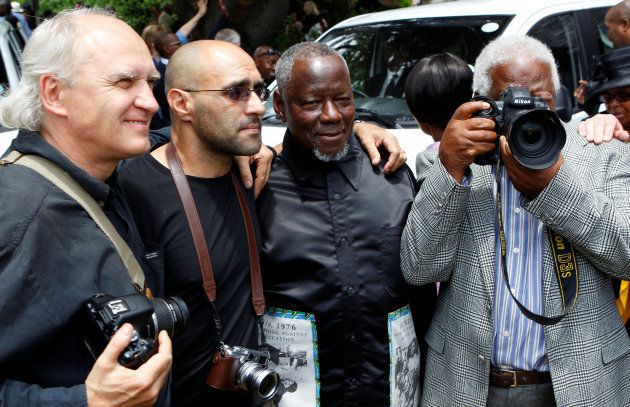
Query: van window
[[380, 56], [559, 33]]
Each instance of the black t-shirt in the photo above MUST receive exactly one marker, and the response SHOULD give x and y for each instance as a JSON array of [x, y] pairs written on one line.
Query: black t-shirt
[[159, 213]]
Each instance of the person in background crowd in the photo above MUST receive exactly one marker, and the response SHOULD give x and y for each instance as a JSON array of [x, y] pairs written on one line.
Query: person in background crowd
[[314, 23], [331, 225], [436, 86], [483, 349], [29, 14], [165, 19], [229, 35], [152, 31], [166, 44], [82, 107], [617, 22], [390, 82], [17, 20], [266, 59]]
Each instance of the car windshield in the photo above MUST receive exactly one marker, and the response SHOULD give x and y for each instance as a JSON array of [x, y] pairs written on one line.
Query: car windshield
[[381, 55]]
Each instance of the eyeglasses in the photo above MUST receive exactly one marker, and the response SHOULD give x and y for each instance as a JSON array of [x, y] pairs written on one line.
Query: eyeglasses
[[241, 93], [620, 97], [270, 51]]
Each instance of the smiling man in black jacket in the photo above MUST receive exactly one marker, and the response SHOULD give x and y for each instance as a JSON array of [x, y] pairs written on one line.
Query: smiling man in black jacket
[[331, 226]]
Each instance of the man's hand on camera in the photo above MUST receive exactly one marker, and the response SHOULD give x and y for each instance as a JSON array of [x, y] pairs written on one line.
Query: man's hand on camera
[[602, 128], [528, 182], [262, 161], [466, 137], [372, 137], [110, 384]]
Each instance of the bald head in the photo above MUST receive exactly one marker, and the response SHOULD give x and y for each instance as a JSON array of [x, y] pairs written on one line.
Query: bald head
[[198, 62], [617, 22]]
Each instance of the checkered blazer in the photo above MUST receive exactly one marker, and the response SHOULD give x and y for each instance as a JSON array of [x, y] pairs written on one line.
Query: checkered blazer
[[449, 237]]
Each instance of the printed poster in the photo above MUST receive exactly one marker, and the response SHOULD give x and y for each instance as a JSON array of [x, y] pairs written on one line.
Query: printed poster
[[291, 337], [404, 354]]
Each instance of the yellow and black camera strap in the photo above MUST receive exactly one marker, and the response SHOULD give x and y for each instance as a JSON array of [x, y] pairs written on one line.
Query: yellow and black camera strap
[[565, 264]]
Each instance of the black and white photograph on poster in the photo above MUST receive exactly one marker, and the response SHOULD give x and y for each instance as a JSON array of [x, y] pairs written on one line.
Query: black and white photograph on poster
[[291, 339], [404, 360]]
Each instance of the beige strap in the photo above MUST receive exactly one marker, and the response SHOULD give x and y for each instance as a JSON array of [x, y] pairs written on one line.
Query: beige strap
[[67, 184]]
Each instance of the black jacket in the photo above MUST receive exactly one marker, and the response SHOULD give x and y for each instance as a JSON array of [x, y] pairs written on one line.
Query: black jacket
[[331, 247], [53, 258]]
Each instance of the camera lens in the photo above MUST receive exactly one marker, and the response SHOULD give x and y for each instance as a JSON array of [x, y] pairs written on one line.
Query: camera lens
[[536, 138], [171, 315], [258, 380]]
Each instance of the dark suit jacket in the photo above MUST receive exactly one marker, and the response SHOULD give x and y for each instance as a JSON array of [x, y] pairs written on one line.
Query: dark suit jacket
[[162, 118]]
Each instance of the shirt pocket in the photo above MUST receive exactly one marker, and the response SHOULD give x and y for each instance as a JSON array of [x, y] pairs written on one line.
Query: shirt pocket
[[389, 262]]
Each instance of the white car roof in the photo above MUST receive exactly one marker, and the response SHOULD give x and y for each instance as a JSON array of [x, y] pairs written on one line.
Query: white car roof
[[522, 9]]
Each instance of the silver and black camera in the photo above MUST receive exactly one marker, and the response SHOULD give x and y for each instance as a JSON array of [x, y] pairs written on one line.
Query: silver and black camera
[[148, 317], [534, 133], [235, 368]]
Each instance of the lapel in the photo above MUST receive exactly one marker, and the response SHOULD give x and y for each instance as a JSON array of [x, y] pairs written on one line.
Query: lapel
[[481, 217]]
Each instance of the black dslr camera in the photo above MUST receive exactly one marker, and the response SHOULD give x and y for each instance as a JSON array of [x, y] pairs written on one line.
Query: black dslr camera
[[236, 368], [534, 133], [148, 317]]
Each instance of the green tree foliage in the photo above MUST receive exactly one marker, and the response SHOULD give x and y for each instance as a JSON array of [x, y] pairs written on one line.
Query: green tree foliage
[[137, 13]]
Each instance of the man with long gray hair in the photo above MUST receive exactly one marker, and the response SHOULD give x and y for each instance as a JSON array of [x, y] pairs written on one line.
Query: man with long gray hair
[[84, 102], [331, 226], [525, 252]]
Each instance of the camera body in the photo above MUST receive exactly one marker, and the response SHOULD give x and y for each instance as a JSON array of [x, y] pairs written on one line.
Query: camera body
[[235, 368], [534, 133], [147, 316]]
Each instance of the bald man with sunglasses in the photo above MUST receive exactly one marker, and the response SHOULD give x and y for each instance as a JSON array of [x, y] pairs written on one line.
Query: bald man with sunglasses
[[216, 96]]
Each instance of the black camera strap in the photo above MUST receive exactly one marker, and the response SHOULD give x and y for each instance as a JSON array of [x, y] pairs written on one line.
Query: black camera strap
[[199, 239], [565, 264]]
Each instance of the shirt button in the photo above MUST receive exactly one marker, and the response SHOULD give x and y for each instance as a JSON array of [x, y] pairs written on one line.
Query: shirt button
[[513, 290], [351, 290], [506, 333], [336, 196], [517, 210], [516, 250], [352, 337], [482, 358], [343, 241]]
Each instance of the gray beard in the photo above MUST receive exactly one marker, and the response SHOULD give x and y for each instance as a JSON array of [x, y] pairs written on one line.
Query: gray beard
[[338, 156]]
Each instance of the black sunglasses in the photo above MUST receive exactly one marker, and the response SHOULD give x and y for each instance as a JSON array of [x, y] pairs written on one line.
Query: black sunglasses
[[620, 97], [270, 51], [241, 93]]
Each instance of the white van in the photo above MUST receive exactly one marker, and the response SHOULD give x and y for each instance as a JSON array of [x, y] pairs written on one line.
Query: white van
[[573, 30]]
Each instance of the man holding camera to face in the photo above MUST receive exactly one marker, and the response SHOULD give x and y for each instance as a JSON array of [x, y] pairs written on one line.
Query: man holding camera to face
[[525, 315], [80, 109]]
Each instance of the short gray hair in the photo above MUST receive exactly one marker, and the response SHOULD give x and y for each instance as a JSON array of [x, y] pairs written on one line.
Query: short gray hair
[[229, 35], [506, 49], [300, 52], [50, 50]]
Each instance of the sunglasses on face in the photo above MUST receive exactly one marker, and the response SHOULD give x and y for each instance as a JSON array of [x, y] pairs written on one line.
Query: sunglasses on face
[[619, 97], [270, 52], [241, 93]]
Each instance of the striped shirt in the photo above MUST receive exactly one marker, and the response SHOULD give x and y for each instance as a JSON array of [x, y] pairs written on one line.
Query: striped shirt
[[519, 343]]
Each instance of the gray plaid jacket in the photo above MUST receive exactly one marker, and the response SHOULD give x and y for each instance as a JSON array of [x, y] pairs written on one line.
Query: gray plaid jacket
[[449, 237]]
